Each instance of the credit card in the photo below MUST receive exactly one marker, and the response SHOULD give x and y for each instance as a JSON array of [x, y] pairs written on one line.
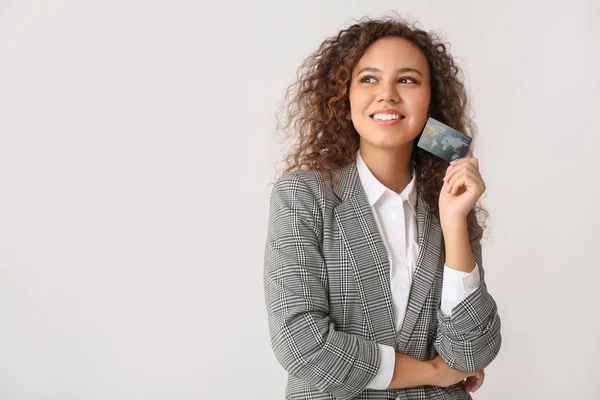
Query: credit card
[[444, 141]]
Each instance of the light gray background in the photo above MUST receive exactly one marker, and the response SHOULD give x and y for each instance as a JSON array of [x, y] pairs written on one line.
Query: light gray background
[[136, 151]]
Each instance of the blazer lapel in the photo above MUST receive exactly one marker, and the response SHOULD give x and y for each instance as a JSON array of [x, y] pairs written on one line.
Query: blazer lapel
[[370, 262], [368, 257], [430, 248]]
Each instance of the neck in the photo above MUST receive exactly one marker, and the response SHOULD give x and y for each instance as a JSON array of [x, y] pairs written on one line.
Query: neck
[[391, 167]]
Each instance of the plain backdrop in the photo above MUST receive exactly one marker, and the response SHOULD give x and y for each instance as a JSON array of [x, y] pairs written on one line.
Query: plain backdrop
[[137, 148]]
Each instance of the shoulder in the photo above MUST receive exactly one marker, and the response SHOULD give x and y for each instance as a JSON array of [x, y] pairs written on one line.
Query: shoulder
[[297, 197], [302, 185], [306, 192]]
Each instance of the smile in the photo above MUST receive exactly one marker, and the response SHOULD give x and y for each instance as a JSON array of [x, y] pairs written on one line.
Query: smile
[[388, 120]]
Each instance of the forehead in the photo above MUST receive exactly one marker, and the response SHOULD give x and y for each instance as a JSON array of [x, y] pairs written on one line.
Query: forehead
[[390, 53]]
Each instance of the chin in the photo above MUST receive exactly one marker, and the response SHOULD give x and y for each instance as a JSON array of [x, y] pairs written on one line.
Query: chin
[[384, 144]]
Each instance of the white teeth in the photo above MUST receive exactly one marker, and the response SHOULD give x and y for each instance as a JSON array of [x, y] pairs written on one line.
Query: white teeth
[[386, 117]]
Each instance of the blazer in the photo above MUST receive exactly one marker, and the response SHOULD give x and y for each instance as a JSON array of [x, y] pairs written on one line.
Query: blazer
[[328, 295]]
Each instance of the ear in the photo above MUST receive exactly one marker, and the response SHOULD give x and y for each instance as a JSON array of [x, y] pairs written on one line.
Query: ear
[[349, 116]]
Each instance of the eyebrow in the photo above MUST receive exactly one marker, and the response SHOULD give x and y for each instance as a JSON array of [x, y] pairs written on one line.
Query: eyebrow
[[405, 69]]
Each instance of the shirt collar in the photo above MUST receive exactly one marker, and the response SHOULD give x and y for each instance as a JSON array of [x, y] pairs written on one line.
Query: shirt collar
[[375, 189]]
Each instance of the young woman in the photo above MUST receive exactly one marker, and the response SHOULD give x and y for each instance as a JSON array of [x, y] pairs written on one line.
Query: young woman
[[374, 282]]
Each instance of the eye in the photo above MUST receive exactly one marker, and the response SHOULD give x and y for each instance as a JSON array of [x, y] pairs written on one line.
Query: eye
[[367, 77], [408, 77]]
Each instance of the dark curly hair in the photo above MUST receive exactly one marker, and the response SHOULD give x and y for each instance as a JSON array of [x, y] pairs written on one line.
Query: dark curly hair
[[318, 101]]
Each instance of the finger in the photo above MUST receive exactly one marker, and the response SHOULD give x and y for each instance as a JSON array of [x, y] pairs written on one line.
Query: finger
[[456, 180], [478, 381], [453, 170], [466, 179], [449, 171], [474, 184], [471, 160], [469, 384], [465, 172], [459, 183], [469, 163]]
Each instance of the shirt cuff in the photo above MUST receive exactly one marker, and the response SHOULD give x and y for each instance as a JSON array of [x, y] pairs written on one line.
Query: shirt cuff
[[386, 368], [457, 286]]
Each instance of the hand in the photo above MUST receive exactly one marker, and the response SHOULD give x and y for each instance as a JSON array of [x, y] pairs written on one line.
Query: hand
[[474, 382], [445, 376], [463, 186]]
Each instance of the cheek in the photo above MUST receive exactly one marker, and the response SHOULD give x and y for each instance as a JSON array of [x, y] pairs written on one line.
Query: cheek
[[358, 100], [419, 103]]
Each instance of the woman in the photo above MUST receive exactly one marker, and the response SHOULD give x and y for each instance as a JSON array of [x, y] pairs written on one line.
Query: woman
[[373, 277]]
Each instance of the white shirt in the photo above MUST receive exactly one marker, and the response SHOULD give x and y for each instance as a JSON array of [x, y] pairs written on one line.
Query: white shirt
[[396, 218]]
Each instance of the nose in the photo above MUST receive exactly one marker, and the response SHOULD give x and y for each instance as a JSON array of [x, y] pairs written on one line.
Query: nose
[[388, 92]]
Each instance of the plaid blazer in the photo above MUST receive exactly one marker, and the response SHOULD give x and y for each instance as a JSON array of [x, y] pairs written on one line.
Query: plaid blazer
[[328, 296]]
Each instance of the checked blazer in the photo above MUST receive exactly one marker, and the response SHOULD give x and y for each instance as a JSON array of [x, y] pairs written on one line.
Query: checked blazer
[[328, 295]]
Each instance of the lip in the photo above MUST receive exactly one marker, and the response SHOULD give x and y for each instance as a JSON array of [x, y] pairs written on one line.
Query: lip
[[387, 123]]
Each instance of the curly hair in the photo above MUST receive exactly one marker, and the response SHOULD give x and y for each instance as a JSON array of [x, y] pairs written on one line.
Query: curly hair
[[317, 102]]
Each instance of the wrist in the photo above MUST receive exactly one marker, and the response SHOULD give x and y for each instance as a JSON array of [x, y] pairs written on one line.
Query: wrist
[[430, 373], [410, 372], [453, 223]]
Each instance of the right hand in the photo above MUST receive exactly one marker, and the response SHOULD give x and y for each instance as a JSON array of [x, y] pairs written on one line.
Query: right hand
[[445, 376]]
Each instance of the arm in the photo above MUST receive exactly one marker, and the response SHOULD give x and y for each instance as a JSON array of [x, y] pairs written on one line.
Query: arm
[[304, 339], [469, 339], [399, 371], [410, 372], [457, 286]]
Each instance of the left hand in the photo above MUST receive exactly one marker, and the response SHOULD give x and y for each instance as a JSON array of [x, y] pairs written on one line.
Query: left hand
[[463, 186]]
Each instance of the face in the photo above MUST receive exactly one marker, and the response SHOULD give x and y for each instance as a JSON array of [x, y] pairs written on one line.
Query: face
[[392, 75]]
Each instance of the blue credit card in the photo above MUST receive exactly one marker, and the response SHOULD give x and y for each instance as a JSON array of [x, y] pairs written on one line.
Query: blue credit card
[[444, 141]]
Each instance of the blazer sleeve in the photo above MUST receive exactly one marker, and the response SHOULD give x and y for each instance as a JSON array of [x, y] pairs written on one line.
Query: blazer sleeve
[[469, 339], [304, 339]]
